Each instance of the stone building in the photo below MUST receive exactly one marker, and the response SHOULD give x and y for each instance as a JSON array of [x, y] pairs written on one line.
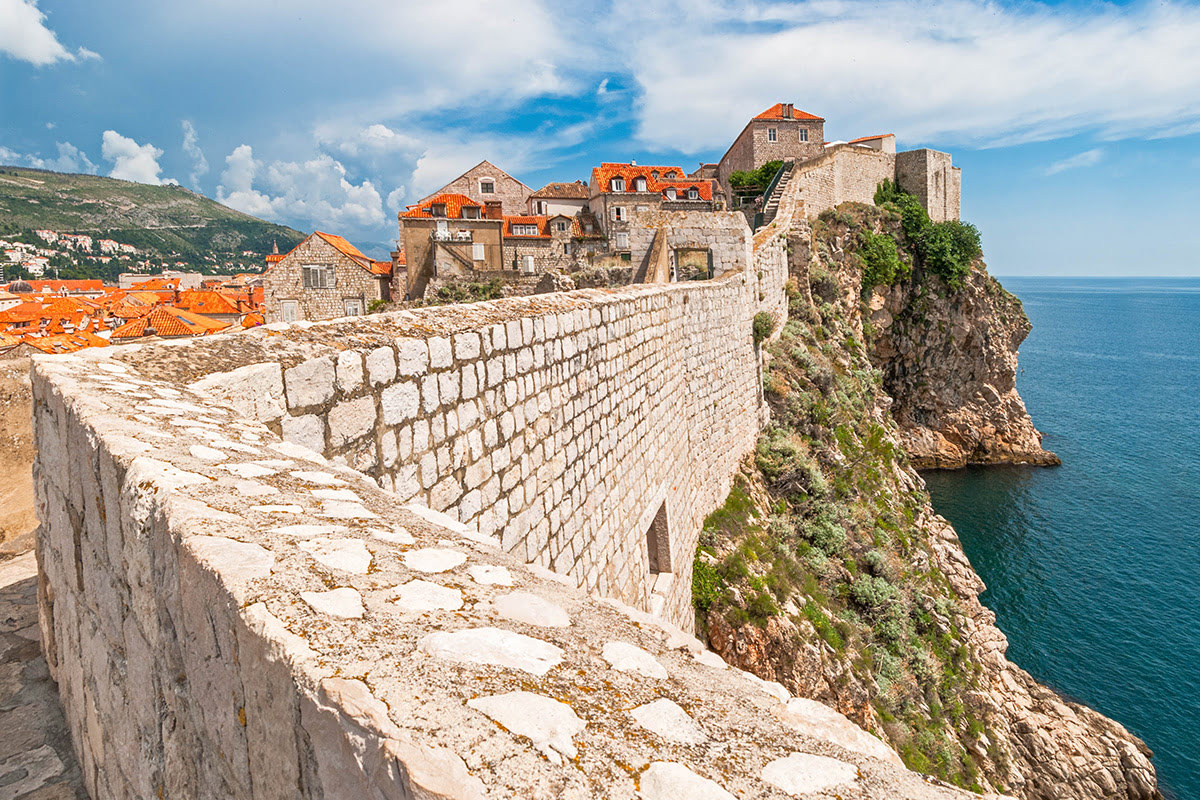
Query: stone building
[[559, 198], [529, 246], [450, 235], [930, 176], [323, 277], [486, 183], [618, 193], [781, 133]]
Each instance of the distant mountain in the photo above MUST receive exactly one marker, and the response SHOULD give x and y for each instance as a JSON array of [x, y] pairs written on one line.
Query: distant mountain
[[162, 219]]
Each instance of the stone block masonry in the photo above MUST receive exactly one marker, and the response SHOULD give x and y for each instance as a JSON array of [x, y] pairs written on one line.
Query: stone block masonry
[[228, 614]]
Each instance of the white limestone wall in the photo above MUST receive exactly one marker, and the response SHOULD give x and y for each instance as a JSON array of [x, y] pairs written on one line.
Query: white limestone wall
[[561, 425], [231, 615]]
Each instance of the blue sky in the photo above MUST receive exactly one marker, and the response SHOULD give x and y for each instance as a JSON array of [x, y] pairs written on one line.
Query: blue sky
[[1077, 125]]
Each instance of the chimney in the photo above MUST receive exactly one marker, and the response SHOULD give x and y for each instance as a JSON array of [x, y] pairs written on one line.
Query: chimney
[[787, 110], [493, 210]]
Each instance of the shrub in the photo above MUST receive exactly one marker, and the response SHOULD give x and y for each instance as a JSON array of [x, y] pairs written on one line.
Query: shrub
[[763, 326], [754, 178], [706, 584], [881, 263], [872, 593]]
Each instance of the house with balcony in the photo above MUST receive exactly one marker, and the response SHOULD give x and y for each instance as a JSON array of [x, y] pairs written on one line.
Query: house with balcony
[[449, 235], [618, 193]]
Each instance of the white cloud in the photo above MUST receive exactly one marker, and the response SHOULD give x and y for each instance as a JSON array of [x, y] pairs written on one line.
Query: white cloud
[[1088, 158], [313, 193], [191, 147], [131, 161], [70, 159], [25, 37], [951, 70]]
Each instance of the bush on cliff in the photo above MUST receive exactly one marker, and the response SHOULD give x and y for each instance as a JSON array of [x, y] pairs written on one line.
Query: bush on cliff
[[947, 249]]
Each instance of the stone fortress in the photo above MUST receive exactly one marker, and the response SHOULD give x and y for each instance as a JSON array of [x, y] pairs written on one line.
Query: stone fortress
[[436, 553]]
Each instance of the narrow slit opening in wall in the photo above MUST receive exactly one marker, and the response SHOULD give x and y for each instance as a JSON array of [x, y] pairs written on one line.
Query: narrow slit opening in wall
[[658, 542]]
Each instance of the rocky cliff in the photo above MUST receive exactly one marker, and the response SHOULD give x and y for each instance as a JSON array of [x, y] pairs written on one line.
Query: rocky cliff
[[828, 571], [949, 362]]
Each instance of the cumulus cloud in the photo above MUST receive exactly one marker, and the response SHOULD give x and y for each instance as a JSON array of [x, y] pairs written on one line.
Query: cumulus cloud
[[956, 71], [131, 161], [313, 193], [191, 147], [70, 159], [25, 37], [1088, 158]]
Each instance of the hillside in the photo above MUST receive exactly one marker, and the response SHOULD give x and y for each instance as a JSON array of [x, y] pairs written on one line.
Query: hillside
[[161, 219]]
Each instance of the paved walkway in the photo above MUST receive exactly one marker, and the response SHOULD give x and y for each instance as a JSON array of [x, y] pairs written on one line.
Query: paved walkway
[[36, 758]]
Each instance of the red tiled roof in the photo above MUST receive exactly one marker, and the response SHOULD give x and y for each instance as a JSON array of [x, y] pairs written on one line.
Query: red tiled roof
[[604, 174], [454, 205], [275, 258], [401, 258], [252, 320], [167, 321], [542, 223], [342, 245], [381, 268], [869, 138], [70, 285], [157, 285], [776, 112], [206, 302]]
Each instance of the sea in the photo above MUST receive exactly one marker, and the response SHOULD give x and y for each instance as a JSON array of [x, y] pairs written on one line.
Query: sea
[[1093, 567]]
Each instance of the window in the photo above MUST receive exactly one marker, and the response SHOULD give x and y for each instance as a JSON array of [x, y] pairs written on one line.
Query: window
[[622, 240], [670, 194], [352, 306], [438, 209], [539, 207], [487, 186], [654, 174], [618, 213], [671, 173], [693, 193], [289, 310], [560, 226], [443, 226], [477, 251], [318, 277], [524, 230], [529, 264], [618, 184], [772, 135], [804, 134], [639, 184], [470, 212]]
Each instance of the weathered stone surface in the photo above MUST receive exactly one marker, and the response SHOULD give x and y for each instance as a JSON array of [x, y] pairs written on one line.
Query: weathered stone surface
[[802, 773], [420, 596], [255, 390], [343, 603], [493, 646], [531, 610], [665, 780], [548, 723], [433, 559], [665, 718], [628, 657], [347, 555]]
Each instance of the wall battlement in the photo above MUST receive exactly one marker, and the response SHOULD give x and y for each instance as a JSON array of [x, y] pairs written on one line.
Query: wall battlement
[[231, 613]]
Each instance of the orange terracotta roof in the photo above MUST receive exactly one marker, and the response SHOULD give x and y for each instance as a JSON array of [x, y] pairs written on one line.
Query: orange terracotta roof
[[604, 174], [776, 112], [342, 245], [157, 284], [542, 223], [206, 302], [65, 343], [454, 203], [275, 258], [70, 285], [8, 340], [381, 268], [168, 321], [869, 138], [252, 320], [24, 312], [401, 258], [704, 188]]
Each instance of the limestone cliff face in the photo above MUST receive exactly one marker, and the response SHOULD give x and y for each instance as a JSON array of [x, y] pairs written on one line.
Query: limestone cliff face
[[837, 579], [949, 362]]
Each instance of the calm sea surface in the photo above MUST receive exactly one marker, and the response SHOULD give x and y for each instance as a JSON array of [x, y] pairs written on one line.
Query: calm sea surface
[[1093, 568]]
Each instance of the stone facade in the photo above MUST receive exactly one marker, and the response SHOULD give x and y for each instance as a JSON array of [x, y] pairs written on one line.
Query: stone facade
[[448, 248], [843, 173], [230, 615], [771, 139], [351, 290], [929, 175], [510, 192]]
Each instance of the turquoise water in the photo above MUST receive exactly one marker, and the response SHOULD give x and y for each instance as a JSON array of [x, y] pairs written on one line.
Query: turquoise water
[[1093, 568]]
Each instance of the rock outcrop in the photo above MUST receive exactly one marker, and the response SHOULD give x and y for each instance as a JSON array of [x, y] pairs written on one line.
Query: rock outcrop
[[949, 362], [831, 573]]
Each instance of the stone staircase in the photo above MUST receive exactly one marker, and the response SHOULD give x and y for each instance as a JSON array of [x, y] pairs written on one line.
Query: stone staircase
[[771, 206]]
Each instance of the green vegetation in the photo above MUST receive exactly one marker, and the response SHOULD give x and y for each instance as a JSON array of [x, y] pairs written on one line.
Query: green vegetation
[[821, 532], [163, 220], [746, 181], [947, 249], [465, 292], [763, 326]]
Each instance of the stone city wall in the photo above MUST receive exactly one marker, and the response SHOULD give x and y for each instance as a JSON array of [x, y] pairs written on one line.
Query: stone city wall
[[231, 615], [844, 173]]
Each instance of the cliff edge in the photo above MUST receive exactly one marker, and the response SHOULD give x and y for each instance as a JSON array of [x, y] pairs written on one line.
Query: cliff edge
[[827, 569]]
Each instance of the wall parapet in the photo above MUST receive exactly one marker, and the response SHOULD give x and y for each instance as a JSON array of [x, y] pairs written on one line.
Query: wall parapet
[[229, 614]]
